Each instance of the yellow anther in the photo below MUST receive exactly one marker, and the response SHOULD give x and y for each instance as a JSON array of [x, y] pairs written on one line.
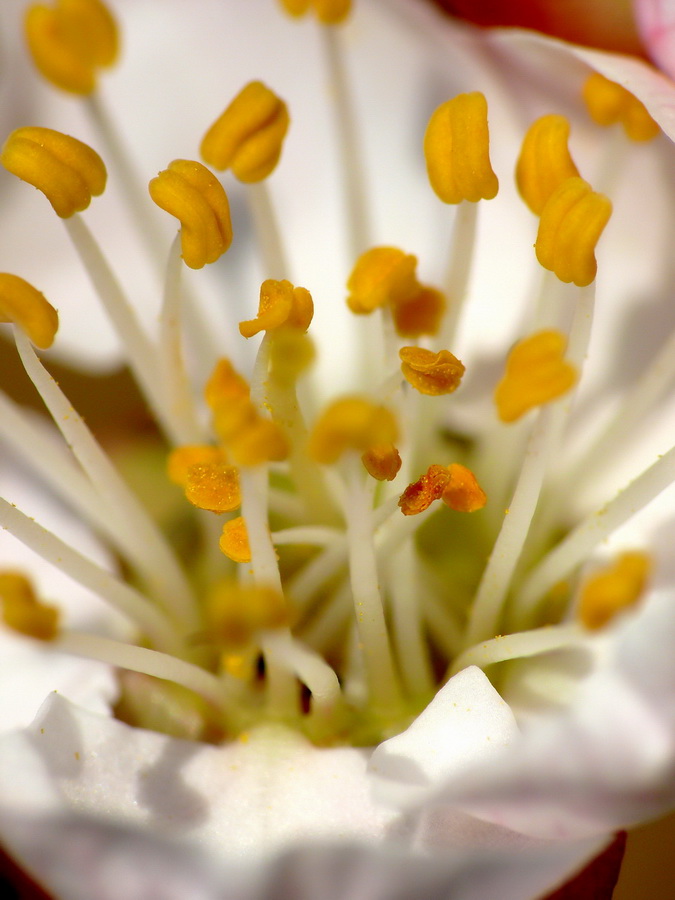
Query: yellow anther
[[213, 486], [328, 12], [382, 276], [431, 373], [419, 314], [181, 460], [607, 102], [352, 423], [544, 161], [188, 191], [291, 353], [225, 385], [419, 495], [22, 611], [68, 172], [24, 305], [571, 223], [258, 442], [382, 462], [248, 136], [234, 540], [70, 41], [281, 304], [462, 492], [456, 148], [235, 612], [613, 589], [536, 373]]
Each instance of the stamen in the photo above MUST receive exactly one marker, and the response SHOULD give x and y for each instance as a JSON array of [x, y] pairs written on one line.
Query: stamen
[[328, 12], [595, 528], [370, 622], [182, 459], [23, 612], [536, 373], [126, 599], [456, 148], [429, 487], [145, 544], [70, 41], [188, 191], [456, 485], [518, 646], [570, 227], [170, 352], [281, 304], [608, 103], [419, 314], [613, 589], [382, 276], [149, 662], [22, 304], [214, 487], [351, 423], [234, 541], [496, 579], [68, 172], [382, 462], [431, 373], [247, 138], [462, 492], [544, 161], [236, 612]]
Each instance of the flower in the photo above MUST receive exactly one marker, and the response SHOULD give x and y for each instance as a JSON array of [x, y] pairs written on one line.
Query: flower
[[318, 720]]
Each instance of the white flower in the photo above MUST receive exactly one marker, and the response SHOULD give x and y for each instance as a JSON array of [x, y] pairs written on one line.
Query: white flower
[[363, 786]]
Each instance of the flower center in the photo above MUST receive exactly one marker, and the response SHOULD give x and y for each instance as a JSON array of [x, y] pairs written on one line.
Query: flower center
[[335, 570]]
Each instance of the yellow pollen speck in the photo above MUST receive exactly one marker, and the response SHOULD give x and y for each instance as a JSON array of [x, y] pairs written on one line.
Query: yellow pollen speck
[[24, 305], [68, 172], [431, 373], [536, 373], [234, 540], [70, 41], [382, 462], [213, 486], [248, 136], [456, 148], [544, 161], [351, 423], [328, 12], [382, 276], [613, 589], [22, 611], [281, 304], [462, 492], [607, 103], [571, 223], [188, 191]]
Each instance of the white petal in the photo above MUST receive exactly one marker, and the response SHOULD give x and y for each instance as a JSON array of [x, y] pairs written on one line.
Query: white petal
[[243, 800], [466, 721], [607, 763]]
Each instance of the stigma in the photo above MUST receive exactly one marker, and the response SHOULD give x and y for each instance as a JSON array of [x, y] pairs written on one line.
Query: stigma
[[332, 561]]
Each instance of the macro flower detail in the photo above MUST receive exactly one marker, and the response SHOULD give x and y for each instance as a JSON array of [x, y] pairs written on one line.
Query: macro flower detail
[[370, 574]]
